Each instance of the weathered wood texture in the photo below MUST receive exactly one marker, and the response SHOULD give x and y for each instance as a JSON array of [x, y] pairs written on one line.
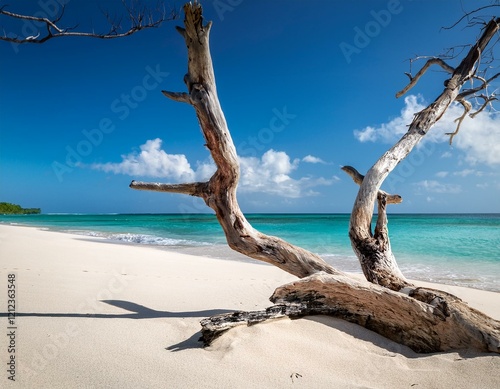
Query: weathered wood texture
[[422, 319], [374, 250], [425, 320], [219, 193]]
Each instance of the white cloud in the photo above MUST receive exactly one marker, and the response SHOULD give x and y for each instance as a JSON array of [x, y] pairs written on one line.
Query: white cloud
[[152, 161], [441, 174], [312, 159], [368, 134], [272, 174], [465, 173], [205, 170], [269, 174], [479, 138], [432, 186], [395, 128]]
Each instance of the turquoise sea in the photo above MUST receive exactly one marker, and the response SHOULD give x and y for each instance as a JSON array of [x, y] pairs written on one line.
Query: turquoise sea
[[458, 249]]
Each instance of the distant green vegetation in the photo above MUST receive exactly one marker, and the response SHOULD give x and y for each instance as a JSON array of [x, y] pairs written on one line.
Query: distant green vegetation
[[14, 209]]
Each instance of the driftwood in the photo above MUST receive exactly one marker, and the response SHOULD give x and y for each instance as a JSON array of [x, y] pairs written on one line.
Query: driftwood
[[423, 319]]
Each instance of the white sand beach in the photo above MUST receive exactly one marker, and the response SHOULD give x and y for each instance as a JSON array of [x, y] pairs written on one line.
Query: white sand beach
[[93, 314]]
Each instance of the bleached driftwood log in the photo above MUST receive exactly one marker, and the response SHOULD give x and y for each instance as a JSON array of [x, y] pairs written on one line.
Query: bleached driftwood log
[[425, 320]]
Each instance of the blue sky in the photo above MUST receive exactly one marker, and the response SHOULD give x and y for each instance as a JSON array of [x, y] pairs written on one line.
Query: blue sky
[[302, 90]]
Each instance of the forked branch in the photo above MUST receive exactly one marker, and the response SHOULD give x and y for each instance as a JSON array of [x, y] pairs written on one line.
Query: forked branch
[[467, 107], [467, 15], [142, 19], [473, 58], [357, 177], [375, 255], [422, 319], [377, 260], [486, 100], [472, 93], [219, 193]]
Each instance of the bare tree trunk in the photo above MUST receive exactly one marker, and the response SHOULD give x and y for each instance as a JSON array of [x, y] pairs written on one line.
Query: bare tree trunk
[[375, 254], [414, 318], [374, 250], [219, 192]]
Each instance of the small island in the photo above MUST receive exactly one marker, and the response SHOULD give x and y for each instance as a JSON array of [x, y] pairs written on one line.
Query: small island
[[14, 209]]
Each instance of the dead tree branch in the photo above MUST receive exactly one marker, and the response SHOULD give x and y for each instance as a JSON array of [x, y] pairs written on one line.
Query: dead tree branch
[[467, 107], [376, 258], [469, 14], [141, 19], [469, 94], [383, 270], [476, 73], [422, 319], [428, 64], [357, 177], [219, 193], [193, 189], [487, 100]]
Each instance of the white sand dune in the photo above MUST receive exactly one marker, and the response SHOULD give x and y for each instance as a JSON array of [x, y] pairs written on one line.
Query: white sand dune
[[92, 314]]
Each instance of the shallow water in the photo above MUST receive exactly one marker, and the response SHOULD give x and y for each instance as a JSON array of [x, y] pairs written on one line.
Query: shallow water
[[459, 249]]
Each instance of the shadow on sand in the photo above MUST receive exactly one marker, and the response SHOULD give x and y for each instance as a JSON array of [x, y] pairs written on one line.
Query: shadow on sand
[[137, 311]]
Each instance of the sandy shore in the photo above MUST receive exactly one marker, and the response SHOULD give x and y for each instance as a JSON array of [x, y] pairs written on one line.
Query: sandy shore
[[92, 314]]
